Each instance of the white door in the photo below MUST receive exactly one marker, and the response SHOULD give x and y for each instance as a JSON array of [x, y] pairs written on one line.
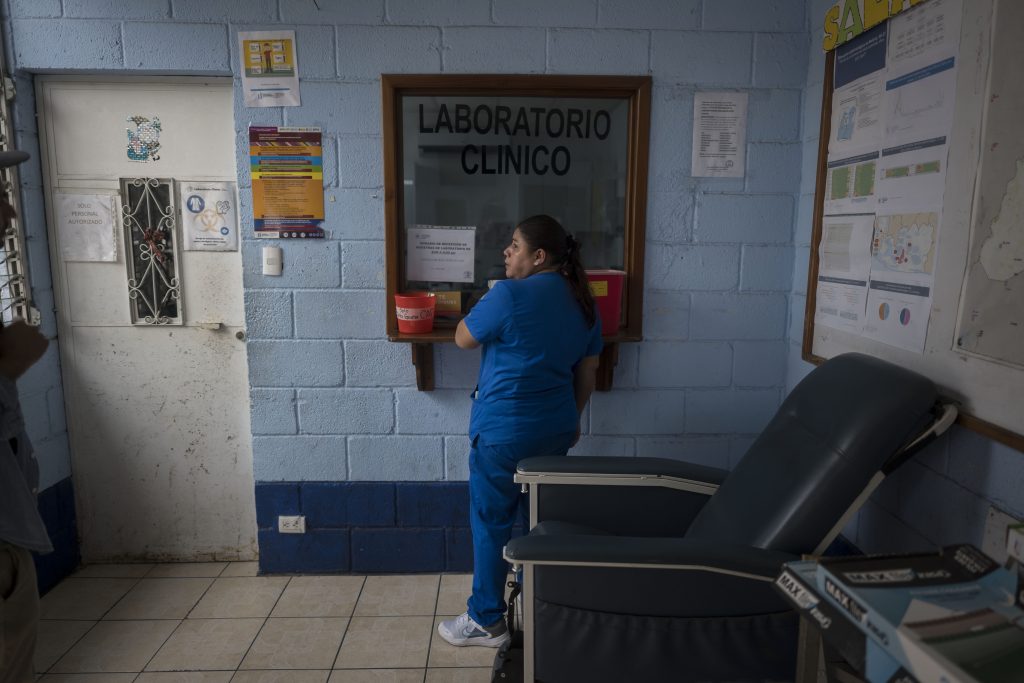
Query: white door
[[158, 414]]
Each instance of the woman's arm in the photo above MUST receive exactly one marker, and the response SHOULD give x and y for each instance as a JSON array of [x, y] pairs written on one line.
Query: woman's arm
[[463, 339], [583, 380]]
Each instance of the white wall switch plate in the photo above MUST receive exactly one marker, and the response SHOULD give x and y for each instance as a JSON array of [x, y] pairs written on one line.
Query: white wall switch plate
[[291, 524], [272, 261]]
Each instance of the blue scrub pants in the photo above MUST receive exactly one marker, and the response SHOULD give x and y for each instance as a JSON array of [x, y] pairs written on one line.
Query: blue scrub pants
[[494, 504]]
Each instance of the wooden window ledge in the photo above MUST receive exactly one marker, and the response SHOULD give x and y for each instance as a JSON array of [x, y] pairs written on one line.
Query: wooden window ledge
[[422, 346]]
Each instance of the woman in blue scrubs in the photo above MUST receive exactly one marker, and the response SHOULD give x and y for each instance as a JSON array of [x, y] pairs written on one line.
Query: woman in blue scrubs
[[541, 337]]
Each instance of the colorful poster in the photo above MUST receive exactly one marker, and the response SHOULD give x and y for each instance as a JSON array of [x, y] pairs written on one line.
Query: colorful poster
[[209, 221], [287, 181], [270, 70]]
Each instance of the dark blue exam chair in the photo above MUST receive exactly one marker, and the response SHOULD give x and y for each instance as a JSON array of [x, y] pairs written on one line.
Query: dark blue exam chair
[[650, 569]]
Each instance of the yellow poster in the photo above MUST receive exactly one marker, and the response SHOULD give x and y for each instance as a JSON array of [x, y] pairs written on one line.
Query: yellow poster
[[269, 68]]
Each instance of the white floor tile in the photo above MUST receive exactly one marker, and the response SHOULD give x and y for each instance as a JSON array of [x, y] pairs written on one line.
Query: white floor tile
[[187, 570]]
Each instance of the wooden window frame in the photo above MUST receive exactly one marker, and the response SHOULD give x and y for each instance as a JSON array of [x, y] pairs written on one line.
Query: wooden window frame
[[635, 89]]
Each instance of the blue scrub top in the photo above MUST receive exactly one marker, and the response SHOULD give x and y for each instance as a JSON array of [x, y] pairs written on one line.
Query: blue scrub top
[[533, 334]]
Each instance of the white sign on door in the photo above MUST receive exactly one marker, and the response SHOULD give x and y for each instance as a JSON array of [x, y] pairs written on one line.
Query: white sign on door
[[86, 226], [208, 218]]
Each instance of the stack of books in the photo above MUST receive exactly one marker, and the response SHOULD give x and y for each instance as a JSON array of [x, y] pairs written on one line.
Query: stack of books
[[947, 617]]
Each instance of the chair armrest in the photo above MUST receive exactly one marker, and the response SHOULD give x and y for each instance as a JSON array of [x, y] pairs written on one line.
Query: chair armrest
[[624, 496], [668, 553], [617, 471]]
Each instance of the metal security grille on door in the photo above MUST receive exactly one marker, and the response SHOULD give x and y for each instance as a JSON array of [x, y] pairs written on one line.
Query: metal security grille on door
[[14, 301], [151, 239], [14, 286]]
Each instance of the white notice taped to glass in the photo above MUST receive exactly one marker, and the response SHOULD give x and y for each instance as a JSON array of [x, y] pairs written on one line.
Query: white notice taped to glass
[[85, 223], [440, 253], [719, 134], [208, 218]]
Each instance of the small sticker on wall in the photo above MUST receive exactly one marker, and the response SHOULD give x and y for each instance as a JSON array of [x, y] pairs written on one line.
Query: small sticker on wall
[[144, 139]]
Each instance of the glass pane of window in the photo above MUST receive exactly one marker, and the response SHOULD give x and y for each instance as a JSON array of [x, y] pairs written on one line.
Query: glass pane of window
[[154, 279], [489, 162]]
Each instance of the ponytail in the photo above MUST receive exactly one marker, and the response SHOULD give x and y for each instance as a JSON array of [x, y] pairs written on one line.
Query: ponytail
[[544, 232], [573, 271]]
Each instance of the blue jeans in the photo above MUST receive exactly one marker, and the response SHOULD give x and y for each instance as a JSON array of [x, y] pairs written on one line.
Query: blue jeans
[[494, 507]]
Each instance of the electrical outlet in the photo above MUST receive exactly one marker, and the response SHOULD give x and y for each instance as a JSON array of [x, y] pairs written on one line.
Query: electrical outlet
[[993, 541], [291, 524]]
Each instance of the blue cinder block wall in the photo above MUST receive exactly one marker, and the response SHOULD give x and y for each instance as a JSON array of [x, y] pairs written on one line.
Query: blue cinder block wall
[[340, 433]]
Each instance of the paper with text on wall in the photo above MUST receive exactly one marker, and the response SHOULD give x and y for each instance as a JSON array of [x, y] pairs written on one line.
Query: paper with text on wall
[[719, 134]]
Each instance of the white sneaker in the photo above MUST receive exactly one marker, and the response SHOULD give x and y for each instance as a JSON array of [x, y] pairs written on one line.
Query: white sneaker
[[462, 631]]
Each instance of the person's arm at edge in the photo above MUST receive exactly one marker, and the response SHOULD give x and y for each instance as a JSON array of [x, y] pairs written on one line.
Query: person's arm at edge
[[463, 338], [21, 345]]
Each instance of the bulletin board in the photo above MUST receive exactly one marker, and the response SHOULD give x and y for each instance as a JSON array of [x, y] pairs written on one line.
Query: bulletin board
[[941, 291]]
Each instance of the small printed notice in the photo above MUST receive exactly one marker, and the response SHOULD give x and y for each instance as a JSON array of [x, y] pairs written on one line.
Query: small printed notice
[[844, 258], [270, 71], [440, 253], [913, 176], [719, 134], [86, 226], [850, 184], [208, 218]]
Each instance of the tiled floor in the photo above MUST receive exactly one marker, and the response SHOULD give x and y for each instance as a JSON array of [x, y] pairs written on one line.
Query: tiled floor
[[219, 622]]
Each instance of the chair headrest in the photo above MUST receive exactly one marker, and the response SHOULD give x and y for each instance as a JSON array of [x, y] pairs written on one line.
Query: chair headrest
[[830, 436]]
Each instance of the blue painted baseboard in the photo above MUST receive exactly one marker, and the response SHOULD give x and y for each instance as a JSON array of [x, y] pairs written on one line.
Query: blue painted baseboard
[[400, 527], [57, 508], [376, 527]]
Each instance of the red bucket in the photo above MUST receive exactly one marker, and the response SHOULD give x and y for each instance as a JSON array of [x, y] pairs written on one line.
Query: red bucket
[[415, 311], [606, 286]]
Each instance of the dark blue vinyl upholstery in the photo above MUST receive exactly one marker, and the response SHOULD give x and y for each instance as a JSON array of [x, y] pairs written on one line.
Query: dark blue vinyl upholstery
[[832, 434], [699, 605]]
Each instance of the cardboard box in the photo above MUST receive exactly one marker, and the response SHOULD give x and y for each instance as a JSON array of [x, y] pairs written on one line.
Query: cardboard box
[[947, 617], [449, 305]]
